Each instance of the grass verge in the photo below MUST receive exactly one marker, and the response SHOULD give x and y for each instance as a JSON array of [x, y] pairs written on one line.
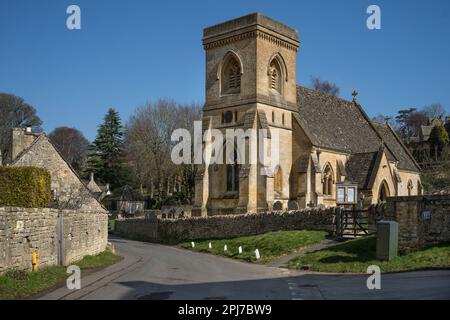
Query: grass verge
[[20, 284], [356, 255], [270, 245]]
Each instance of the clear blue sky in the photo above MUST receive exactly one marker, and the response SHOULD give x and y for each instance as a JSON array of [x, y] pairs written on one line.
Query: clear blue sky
[[132, 51]]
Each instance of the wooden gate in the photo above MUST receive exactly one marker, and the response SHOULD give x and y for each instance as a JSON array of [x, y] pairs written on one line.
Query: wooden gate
[[352, 223]]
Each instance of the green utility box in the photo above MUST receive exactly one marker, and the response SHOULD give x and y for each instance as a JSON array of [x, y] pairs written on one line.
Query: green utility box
[[387, 240]]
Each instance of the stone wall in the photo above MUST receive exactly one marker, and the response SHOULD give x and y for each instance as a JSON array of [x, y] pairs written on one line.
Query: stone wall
[[197, 228], [23, 231], [415, 231]]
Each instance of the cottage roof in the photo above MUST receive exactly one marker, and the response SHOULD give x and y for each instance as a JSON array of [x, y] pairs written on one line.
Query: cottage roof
[[126, 193], [43, 137]]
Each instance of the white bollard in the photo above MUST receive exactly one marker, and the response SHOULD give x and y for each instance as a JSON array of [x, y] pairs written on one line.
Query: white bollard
[[209, 245], [225, 248], [193, 244], [240, 249], [257, 254]]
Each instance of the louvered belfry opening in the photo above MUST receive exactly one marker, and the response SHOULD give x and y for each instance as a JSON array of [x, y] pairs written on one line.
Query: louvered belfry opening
[[232, 77], [275, 76]]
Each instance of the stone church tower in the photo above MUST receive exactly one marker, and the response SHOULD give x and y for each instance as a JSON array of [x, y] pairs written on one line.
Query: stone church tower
[[250, 83]]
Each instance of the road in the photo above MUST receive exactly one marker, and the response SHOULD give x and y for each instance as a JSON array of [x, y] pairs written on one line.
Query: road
[[151, 271]]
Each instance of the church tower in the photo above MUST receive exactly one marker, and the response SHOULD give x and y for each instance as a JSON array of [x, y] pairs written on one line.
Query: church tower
[[250, 83]]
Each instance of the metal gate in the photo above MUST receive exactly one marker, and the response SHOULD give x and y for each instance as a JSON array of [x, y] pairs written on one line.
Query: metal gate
[[352, 223]]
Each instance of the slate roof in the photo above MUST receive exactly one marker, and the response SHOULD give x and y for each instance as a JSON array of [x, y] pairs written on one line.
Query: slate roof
[[394, 143], [42, 136], [336, 124], [425, 132], [126, 193], [359, 168]]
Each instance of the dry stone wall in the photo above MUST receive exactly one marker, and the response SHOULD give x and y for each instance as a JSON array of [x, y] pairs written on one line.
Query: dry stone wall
[[422, 220], [226, 226], [58, 236]]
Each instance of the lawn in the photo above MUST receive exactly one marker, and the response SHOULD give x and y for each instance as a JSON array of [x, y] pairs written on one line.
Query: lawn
[[356, 255], [20, 284], [270, 245]]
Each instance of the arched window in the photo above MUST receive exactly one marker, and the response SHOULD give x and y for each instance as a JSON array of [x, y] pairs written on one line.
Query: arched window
[[233, 174], [275, 76], [231, 75], [419, 188], [278, 186], [383, 193], [328, 180], [410, 187]]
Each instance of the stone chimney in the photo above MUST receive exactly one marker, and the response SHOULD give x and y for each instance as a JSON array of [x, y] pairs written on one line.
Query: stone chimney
[[21, 138]]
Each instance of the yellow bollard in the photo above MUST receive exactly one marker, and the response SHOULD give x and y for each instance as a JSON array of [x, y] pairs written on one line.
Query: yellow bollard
[[34, 261]]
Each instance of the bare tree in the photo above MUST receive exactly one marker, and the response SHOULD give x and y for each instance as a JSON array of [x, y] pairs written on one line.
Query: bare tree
[[72, 145], [383, 119], [15, 113], [148, 143], [325, 86], [434, 110]]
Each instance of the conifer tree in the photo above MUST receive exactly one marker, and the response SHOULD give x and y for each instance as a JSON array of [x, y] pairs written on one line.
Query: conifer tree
[[106, 158]]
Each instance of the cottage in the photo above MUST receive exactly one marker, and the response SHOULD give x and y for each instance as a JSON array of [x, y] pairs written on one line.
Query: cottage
[[29, 149]]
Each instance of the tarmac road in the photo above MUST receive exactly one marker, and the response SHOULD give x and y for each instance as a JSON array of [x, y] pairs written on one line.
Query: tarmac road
[[157, 272]]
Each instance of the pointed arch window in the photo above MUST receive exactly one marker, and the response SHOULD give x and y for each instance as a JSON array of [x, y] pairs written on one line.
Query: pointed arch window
[[383, 193], [328, 180], [233, 174], [275, 76], [410, 188], [231, 75]]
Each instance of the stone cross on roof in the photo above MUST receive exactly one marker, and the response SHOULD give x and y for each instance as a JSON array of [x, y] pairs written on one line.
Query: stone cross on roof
[[354, 94]]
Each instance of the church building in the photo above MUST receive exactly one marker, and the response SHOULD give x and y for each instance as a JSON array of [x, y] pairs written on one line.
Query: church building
[[330, 151]]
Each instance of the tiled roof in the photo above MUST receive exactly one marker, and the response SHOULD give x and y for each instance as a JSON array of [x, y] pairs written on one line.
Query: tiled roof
[[405, 159], [359, 168], [335, 123], [341, 125]]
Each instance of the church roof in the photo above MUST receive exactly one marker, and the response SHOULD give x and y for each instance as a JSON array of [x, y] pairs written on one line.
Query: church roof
[[336, 124], [359, 168], [393, 142]]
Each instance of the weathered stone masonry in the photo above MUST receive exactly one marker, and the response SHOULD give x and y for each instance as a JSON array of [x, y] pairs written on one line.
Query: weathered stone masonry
[[23, 231], [226, 226], [414, 231]]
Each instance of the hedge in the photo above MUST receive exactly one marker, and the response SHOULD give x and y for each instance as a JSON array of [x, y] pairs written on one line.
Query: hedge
[[26, 187]]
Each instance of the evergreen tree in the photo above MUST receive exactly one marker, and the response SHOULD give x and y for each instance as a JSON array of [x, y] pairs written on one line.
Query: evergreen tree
[[438, 139], [106, 157]]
